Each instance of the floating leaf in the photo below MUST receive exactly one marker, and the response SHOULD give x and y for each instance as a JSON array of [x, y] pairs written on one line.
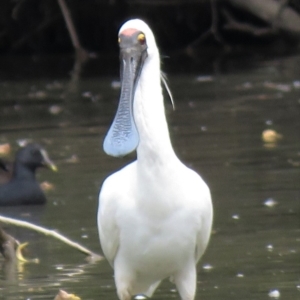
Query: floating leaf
[[270, 136], [20, 256], [46, 186], [63, 295], [5, 149]]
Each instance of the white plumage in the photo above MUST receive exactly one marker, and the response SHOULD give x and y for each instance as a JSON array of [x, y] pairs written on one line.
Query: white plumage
[[155, 214]]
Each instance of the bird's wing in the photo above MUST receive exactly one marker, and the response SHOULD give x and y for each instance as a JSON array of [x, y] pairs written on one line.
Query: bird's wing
[[205, 216], [107, 225], [200, 246]]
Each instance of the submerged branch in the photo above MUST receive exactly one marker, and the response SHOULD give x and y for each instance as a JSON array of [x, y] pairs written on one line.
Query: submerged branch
[[52, 233], [8, 245]]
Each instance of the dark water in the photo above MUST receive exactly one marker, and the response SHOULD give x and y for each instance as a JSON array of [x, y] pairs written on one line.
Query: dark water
[[216, 129]]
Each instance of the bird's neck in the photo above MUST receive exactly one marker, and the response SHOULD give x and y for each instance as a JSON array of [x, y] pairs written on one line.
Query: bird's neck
[[149, 114], [22, 172]]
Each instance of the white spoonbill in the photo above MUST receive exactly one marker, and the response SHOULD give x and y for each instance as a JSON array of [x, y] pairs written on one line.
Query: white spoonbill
[[155, 214]]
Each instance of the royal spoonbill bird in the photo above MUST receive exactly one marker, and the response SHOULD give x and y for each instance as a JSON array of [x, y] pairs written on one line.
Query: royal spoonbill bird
[[155, 214], [23, 188]]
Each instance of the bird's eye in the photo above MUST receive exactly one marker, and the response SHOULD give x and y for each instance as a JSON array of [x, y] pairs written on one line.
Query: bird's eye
[[141, 38]]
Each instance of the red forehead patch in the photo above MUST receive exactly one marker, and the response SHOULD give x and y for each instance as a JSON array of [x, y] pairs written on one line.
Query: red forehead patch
[[129, 31]]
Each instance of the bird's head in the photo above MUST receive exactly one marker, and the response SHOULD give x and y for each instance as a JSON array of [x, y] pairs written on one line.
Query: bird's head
[[137, 36], [137, 47], [33, 156]]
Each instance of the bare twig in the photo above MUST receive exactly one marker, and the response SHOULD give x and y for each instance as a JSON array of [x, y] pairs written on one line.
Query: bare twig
[[81, 54], [53, 234], [70, 24], [213, 30], [215, 21], [233, 24]]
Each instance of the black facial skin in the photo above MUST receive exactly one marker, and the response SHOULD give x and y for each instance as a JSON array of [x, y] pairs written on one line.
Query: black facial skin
[[133, 50]]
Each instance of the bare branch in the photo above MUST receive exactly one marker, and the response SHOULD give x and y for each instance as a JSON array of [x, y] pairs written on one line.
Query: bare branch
[[81, 54], [53, 234], [276, 13], [233, 24]]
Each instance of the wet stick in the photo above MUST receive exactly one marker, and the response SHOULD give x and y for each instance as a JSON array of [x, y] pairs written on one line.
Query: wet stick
[[93, 256]]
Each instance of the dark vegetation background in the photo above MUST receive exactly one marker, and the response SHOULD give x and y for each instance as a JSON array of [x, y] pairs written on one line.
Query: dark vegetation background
[[188, 26]]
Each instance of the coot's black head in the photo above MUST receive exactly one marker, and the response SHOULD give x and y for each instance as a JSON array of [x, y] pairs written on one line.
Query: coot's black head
[[33, 156]]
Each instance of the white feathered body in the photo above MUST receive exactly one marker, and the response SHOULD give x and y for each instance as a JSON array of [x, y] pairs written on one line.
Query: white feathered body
[[155, 227]]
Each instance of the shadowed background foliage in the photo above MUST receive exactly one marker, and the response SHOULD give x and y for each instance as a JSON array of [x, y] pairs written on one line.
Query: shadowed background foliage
[[38, 26]]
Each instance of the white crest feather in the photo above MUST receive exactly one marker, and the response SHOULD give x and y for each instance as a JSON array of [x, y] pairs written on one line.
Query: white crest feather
[[163, 77]]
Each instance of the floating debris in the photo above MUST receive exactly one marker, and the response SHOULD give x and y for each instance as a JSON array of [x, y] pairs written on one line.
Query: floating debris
[[265, 97], [247, 85], [96, 98], [91, 96], [192, 104], [296, 84], [37, 95], [115, 84], [140, 297], [73, 159], [23, 142], [205, 78], [55, 109], [274, 294], [235, 217], [269, 122], [270, 136], [270, 202], [87, 94], [207, 267], [243, 86], [46, 186], [240, 275], [55, 85], [278, 86], [63, 295], [269, 247], [294, 163], [5, 149]]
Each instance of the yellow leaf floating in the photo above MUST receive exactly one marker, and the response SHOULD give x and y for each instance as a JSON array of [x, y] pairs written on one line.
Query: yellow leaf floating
[[270, 136], [20, 256], [63, 295], [47, 186], [5, 149]]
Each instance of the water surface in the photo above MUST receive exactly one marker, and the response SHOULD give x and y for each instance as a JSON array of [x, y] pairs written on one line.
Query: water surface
[[216, 129]]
